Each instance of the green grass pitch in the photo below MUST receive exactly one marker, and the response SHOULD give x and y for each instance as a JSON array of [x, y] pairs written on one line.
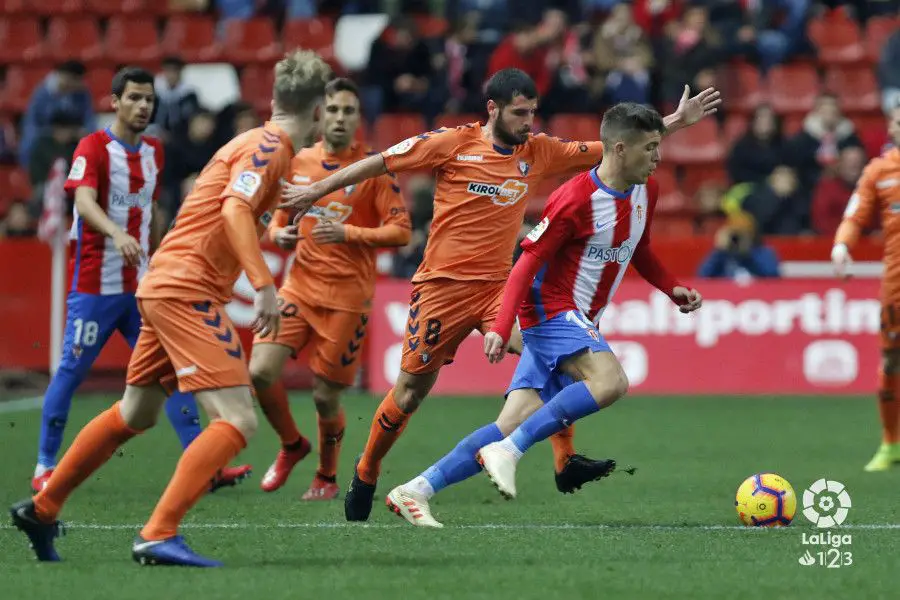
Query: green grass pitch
[[670, 531]]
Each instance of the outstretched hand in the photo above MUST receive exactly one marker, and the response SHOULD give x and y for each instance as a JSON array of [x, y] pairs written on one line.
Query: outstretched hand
[[692, 109]]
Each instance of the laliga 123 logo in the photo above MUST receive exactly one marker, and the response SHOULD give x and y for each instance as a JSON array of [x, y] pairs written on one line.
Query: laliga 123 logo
[[826, 504]]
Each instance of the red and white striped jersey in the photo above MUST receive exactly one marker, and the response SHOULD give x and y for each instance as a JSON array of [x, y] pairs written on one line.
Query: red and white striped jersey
[[586, 239], [125, 178]]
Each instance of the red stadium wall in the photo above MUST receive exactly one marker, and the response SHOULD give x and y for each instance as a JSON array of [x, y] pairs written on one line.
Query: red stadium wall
[[795, 336]]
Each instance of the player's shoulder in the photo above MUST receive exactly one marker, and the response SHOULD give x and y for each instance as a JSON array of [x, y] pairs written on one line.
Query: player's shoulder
[[574, 193], [152, 141], [889, 159], [94, 140]]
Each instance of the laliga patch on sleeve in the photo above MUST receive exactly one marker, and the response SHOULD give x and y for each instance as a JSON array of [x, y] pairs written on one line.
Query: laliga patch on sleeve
[[247, 183], [403, 147], [539, 229], [79, 166]]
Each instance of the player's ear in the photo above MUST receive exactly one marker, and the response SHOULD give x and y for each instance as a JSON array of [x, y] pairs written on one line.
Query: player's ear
[[114, 102], [492, 108]]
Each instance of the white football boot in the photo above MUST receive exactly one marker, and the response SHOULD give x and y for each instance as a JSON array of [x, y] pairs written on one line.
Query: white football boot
[[500, 465], [412, 506]]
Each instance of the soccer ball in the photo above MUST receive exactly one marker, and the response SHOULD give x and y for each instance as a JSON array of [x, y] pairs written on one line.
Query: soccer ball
[[765, 500]]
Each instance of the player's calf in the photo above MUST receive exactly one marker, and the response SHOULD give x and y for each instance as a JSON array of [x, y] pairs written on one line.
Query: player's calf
[[234, 406]]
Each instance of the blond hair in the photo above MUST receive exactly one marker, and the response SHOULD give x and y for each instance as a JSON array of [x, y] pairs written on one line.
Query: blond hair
[[300, 79]]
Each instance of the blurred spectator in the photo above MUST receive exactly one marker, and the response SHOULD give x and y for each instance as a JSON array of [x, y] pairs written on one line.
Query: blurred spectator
[[779, 28], [779, 205], [709, 215], [399, 73], [565, 59], [186, 155], [689, 51], [825, 133], [756, 153], [526, 49], [654, 16], [889, 73], [621, 59], [176, 101], [300, 9], [493, 16], [234, 119], [7, 142], [62, 91], [58, 142], [739, 253], [420, 191], [456, 69], [18, 222], [833, 191]]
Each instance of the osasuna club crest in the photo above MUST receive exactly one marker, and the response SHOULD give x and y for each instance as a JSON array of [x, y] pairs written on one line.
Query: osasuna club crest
[[524, 167]]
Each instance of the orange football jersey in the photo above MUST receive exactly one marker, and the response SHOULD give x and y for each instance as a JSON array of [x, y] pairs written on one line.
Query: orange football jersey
[[878, 194], [195, 260], [481, 194], [342, 276]]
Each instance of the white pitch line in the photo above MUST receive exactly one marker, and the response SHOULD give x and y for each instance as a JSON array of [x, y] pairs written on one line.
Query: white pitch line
[[23, 405], [485, 526]]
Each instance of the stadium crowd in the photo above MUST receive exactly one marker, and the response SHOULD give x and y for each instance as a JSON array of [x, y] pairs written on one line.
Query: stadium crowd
[[806, 85]]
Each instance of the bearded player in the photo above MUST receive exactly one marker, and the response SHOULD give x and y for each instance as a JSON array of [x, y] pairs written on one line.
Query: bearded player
[[573, 261], [877, 194], [114, 181], [326, 298], [186, 336], [484, 176]]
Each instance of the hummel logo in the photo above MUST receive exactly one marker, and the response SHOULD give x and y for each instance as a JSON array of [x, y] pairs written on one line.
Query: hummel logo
[[469, 157]]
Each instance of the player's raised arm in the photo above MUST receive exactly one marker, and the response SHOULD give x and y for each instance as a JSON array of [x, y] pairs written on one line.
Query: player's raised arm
[[302, 197], [859, 214], [692, 108]]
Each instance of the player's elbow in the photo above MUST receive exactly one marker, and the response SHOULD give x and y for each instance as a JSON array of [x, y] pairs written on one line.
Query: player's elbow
[[403, 237]]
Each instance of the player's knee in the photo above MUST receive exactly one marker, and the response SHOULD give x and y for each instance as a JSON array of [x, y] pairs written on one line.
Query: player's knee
[[608, 389], [263, 375], [890, 362], [327, 401], [245, 421]]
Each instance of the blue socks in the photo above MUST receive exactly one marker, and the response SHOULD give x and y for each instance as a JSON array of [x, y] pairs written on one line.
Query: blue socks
[[55, 413], [460, 464], [182, 412], [570, 404]]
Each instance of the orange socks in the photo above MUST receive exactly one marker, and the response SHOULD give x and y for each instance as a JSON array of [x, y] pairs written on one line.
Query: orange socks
[[563, 447], [274, 403], [889, 407], [331, 433], [212, 450], [93, 446], [388, 424]]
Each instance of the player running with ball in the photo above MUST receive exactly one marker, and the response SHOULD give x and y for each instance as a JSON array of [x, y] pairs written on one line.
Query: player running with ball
[[592, 228], [484, 175]]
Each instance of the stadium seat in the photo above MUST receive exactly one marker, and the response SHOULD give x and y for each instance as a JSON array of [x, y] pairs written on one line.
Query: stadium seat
[[575, 127], [99, 82], [21, 39], [256, 86], [671, 198], [430, 26], [735, 126], [192, 37], [792, 123], [15, 185], [393, 128], [837, 39], [312, 34], [696, 175], [110, 8], [42, 7], [131, 40], [793, 88], [353, 37], [878, 30], [20, 83], [74, 38], [743, 85], [856, 89], [699, 144], [251, 41], [451, 120], [871, 128]]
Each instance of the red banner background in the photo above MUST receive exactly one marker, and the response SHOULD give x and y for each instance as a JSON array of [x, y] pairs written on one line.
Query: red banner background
[[791, 336]]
